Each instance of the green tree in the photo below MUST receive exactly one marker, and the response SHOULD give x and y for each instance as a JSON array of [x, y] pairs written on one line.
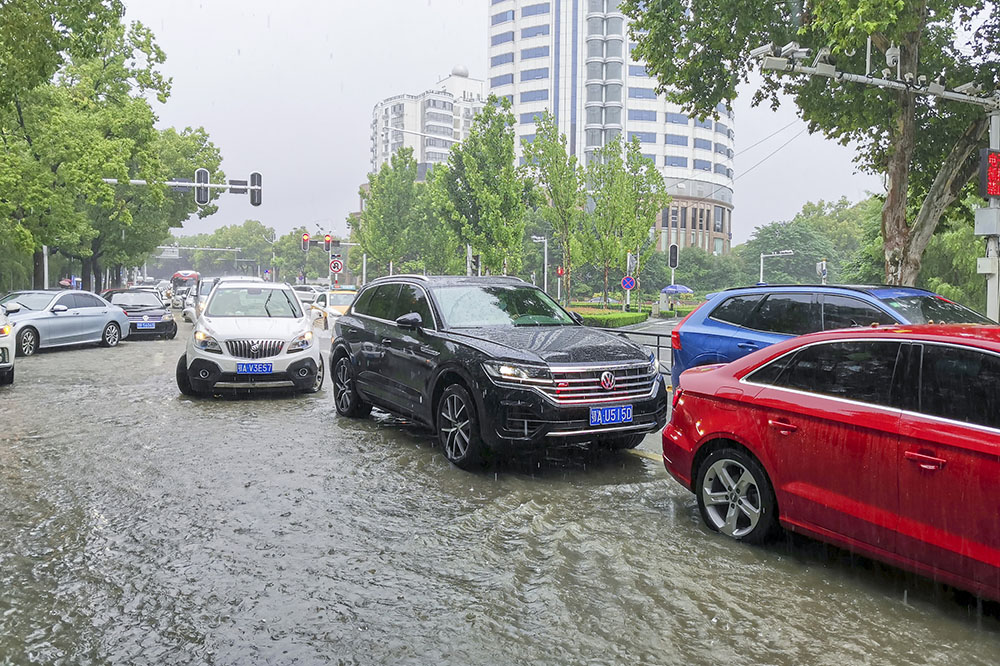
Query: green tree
[[484, 194], [390, 209], [700, 53], [562, 183]]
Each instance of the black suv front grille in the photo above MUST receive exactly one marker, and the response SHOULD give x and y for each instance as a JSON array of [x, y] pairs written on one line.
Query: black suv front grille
[[573, 386], [254, 348]]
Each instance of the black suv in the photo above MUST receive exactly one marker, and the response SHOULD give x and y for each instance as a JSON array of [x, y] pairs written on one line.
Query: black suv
[[491, 364]]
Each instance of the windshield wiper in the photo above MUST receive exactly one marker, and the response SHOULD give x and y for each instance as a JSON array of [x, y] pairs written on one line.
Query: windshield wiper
[[266, 302]]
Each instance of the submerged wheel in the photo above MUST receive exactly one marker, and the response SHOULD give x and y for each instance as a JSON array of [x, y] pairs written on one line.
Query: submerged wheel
[[345, 393], [112, 335], [183, 380], [458, 428], [320, 373], [735, 496], [27, 342], [7, 377]]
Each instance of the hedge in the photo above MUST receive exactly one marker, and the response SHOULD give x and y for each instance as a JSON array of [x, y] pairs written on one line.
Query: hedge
[[679, 311], [610, 318]]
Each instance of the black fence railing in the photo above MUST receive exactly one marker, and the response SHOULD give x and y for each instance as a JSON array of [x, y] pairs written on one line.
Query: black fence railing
[[658, 342]]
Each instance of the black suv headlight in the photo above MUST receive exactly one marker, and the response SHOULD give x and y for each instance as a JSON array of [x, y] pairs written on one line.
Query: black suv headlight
[[516, 373]]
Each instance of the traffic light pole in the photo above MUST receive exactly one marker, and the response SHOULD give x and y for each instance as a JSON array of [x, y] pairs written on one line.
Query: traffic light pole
[[988, 224]]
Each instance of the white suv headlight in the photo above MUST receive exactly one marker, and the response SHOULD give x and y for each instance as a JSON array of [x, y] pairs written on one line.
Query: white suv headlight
[[304, 341], [206, 342]]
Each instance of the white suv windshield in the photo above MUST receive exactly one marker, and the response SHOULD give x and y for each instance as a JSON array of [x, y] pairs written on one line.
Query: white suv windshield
[[251, 301]]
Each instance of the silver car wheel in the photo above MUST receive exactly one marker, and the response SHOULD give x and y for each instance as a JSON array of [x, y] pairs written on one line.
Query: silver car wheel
[[29, 343], [732, 498], [456, 427], [111, 335]]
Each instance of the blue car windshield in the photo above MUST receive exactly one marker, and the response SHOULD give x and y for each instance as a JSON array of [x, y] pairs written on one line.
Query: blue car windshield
[[473, 306], [928, 309]]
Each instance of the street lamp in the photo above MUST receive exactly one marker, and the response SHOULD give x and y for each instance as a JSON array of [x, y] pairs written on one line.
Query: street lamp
[[545, 267], [779, 253]]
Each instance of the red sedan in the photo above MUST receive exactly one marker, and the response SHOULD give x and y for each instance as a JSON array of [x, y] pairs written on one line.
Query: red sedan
[[884, 441]]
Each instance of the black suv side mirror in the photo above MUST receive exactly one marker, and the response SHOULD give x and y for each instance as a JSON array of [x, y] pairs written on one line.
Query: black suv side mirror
[[411, 321], [577, 317]]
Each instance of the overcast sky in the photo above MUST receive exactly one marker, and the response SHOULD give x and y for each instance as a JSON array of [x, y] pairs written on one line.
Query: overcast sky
[[287, 89]]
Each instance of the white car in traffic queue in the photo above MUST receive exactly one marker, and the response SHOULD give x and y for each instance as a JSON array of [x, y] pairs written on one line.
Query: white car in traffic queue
[[7, 347], [251, 335]]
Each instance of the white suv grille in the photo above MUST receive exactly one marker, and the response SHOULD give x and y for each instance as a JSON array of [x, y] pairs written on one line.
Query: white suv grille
[[254, 348]]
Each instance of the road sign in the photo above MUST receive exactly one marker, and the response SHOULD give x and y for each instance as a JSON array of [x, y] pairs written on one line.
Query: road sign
[[560, 271], [628, 283], [337, 266], [169, 253]]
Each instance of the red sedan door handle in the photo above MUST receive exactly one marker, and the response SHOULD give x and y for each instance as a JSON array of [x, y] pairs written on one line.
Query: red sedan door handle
[[925, 461], [782, 427]]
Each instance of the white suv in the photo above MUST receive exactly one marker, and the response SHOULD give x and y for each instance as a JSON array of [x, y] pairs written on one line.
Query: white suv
[[7, 346], [251, 335]]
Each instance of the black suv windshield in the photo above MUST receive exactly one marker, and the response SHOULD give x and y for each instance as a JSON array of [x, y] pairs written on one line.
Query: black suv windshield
[[252, 302], [934, 309], [474, 306]]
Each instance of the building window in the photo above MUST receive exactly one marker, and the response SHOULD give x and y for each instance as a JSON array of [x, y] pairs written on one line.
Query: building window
[[595, 92], [594, 137], [613, 115], [718, 246], [534, 95], [595, 49], [533, 31], [632, 47], [649, 156], [436, 157], [704, 124], [595, 26], [729, 173], [594, 116], [644, 137], [703, 165], [502, 17], [535, 10], [675, 161], [437, 143], [677, 118], [641, 114], [595, 70], [717, 222], [613, 93], [509, 98], [438, 104], [675, 139], [596, 5], [611, 134], [537, 52], [504, 80], [641, 93], [530, 118], [614, 49], [535, 74], [674, 215], [615, 26], [721, 149], [501, 59], [637, 70], [528, 138], [703, 144], [721, 129], [613, 70], [502, 38], [684, 218]]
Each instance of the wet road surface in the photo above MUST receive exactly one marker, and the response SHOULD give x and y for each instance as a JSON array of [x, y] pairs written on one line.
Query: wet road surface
[[138, 526]]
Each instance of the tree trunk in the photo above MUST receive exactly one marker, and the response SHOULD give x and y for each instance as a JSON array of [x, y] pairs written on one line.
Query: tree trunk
[[895, 232], [95, 265], [956, 170], [607, 268], [118, 276], [38, 277], [87, 274], [567, 269]]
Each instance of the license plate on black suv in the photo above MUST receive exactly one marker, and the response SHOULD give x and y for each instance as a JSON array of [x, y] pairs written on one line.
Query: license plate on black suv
[[610, 415], [254, 368]]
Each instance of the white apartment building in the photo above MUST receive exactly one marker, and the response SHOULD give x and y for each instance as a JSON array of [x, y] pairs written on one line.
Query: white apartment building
[[429, 123], [572, 57]]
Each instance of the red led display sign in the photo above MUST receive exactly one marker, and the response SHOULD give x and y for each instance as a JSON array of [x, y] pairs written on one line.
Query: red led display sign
[[989, 173]]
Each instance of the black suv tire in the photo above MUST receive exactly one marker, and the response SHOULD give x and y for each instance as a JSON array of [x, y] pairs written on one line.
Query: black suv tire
[[457, 424], [345, 393]]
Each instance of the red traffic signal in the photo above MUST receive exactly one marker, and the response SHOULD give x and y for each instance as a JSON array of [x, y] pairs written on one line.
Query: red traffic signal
[[327, 240], [989, 173], [560, 272], [305, 242]]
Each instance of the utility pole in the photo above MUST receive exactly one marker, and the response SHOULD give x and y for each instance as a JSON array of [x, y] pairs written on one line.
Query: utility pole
[[545, 266], [988, 220]]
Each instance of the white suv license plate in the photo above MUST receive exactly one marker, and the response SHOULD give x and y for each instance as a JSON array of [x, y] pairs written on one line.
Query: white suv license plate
[[254, 368], [610, 415], [145, 324]]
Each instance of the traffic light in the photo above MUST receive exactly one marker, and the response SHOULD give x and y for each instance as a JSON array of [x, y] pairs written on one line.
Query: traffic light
[[989, 173], [202, 195], [672, 256], [255, 193], [305, 242], [327, 241]]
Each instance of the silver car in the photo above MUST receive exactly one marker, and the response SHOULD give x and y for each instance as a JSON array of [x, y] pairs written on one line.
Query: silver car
[[59, 318]]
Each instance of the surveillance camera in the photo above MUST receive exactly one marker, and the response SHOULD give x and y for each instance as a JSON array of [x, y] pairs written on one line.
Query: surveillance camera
[[908, 77], [921, 80], [761, 51], [789, 48], [886, 73], [892, 56], [970, 88]]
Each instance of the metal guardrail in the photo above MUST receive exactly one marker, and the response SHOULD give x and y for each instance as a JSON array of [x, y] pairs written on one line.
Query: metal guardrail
[[658, 342]]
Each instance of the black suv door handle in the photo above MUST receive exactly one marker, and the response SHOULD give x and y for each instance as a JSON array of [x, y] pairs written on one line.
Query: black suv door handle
[[387, 342]]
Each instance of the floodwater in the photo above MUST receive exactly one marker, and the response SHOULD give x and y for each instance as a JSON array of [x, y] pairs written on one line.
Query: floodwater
[[138, 526]]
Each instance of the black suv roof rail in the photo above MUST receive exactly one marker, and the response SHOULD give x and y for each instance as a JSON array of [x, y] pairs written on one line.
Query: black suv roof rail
[[430, 278], [412, 276]]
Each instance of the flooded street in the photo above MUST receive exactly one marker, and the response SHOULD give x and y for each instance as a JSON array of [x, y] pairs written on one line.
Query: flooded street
[[138, 526]]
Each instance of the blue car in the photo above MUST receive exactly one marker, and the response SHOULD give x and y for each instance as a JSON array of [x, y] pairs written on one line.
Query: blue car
[[730, 324]]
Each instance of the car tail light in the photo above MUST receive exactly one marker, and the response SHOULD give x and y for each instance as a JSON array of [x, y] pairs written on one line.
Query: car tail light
[[675, 337], [677, 396]]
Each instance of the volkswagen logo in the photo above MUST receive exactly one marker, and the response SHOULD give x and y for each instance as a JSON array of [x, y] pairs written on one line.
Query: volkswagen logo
[[607, 380], [145, 317]]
